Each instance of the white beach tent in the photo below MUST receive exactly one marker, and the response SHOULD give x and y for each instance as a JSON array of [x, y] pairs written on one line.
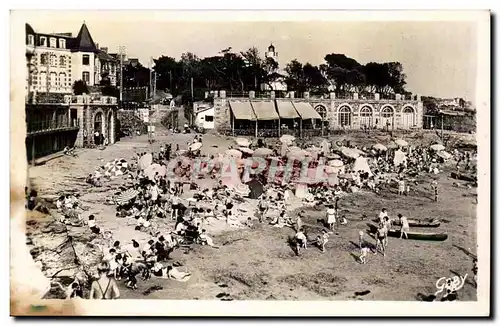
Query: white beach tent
[[361, 164], [399, 158]]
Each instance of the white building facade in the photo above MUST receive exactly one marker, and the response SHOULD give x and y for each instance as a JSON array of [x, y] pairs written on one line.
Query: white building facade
[[205, 118], [58, 60]]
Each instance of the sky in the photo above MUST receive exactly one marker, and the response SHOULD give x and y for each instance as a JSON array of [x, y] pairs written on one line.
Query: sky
[[439, 58]]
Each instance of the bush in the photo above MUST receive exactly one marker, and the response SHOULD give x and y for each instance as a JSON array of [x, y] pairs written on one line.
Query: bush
[[80, 87]]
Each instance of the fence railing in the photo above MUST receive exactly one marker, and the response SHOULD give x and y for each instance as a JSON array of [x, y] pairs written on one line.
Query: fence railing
[[317, 95], [41, 126]]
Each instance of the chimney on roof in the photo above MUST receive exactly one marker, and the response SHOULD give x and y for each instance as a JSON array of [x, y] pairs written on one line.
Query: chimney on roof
[[97, 45], [104, 49]]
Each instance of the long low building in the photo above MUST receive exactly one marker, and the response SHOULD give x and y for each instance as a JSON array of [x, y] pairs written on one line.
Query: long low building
[[313, 116]]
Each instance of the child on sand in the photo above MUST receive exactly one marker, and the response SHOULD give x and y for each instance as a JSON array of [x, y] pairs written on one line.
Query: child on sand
[[300, 241], [363, 255], [330, 217], [322, 239], [361, 240], [405, 226], [381, 236]]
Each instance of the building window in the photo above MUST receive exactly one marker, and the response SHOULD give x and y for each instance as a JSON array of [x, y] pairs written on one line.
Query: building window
[[321, 111], [345, 116], [53, 42], [62, 61], [53, 79], [62, 43], [86, 77], [44, 58], [366, 115], [62, 79], [53, 60], [365, 112], [209, 118], [408, 110], [31, 40], [387, 112], [86, 60], [43, 41]]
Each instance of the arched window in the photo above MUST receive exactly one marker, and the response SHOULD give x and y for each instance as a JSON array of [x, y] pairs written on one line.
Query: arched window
[[408, 117], [408, 109], [44, 57], [321, 111], [387, 112], [53, 60], [344, 116], [366, 111], [62, 79], [62, 61], [366, 114]]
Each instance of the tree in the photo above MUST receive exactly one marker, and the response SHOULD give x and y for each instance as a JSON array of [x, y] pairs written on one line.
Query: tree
[[109, 90], [136, 76], [396, 77], [168, 72], [80, 87], [375, 76], [255, 70], [295, 80], [338, 71], [313, 77], [105, 79]]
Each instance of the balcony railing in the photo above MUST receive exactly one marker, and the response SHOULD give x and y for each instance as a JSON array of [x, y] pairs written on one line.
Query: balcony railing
[[47, 126]]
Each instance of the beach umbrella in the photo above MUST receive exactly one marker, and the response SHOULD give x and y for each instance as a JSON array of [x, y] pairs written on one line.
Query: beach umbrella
[[288, 139], [262, 152], [242, 142], [297, 154], [380, 147], [242, 189], [444, 155], [195, 146], [294, 149], [401, 142], [313, 149], [392, 145], [336, 163], [333, 157], [350, 152], [437, 147], [125, 196], [246, 150], [145, 161], [151, 170], [233, 153]]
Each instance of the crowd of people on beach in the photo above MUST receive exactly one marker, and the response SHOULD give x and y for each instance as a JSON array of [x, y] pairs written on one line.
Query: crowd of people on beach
[[157, 207]]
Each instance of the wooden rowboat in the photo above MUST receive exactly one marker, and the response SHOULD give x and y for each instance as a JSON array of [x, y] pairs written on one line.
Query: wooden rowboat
[[419, 223], [414, 235]]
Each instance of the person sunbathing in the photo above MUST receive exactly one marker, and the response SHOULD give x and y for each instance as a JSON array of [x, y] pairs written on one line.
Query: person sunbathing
[[169, 272]]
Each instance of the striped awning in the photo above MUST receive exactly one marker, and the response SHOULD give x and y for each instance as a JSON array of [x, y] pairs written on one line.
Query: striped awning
[[242, 110], [264, 110], [306, 111], [286, 110]]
